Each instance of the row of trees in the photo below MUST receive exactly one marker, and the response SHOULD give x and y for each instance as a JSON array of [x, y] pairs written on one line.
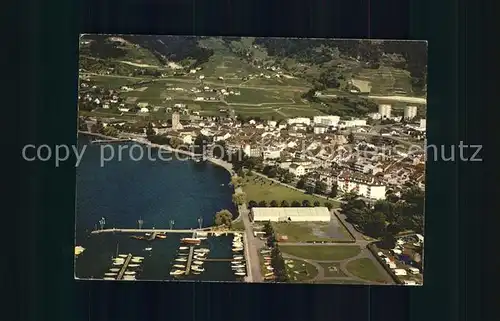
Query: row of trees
[[277, 261], [386, 218], [285, 203]]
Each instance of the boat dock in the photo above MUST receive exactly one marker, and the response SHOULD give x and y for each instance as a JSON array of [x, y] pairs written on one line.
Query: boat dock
[[190, 259], [124, 267], [107, 141], [152, 236], [115, 230]]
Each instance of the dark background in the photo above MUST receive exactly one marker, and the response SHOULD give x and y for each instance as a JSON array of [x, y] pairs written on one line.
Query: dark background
[[42, 70]]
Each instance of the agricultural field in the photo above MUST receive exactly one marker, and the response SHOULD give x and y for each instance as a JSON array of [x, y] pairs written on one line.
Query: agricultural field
[[256, 96], [385, 81]]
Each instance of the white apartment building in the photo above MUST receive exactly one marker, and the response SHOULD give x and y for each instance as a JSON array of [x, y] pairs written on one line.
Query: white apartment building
[[299, 120], [251, 151], [297, 170], [423, 124], [326, 120], [385, 111], [320, 129], [410, 112], [366, 188], [352, 123]]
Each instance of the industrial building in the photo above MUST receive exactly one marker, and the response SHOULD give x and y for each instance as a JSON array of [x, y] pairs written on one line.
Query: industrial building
[[410, 112], [385, 111], [291, 214]]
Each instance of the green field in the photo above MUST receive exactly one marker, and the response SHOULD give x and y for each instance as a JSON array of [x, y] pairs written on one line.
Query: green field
[[300, 271], [256, 96], [365, 269], [386, 80], [258, 188], [322, 252], [306, 232], [332, 270]]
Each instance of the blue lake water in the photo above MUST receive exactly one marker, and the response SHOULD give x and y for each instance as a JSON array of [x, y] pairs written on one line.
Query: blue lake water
[[158, 192]]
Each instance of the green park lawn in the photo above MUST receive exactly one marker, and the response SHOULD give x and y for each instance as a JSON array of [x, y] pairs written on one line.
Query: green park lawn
[[306, 231], [300, 271], [332, 270], [258, 189], [322, 252], [365, 269]]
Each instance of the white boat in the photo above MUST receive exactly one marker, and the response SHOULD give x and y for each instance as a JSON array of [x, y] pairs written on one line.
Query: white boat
[[148, 249], [114, 270], [108, 278], [148, 234], [118, 263], [136, 261], [129, 277], [200, 258], [134, 265], [79, 250], [238, 266], [179, 266], [202, 238], [265, 251], [267, 257], [217, 234], [202, 233], [129, 272], [268, 274], [270, 268], [177, 272], [119, 259], [181, 259], [198, 262], [184, 248], [109, 274], [138, 257], [240, 273], [122, 255], [238, 257], [203, 250], [197, 269], [237, 249]]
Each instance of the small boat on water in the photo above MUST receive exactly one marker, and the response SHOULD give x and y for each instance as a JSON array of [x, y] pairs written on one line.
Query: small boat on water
[[197, 269], [183, 254], [198, 262], [267, 257], [217, 234], [202, 250], [161, 236], [134, 265], [148, 249], [238, 257], [191, 240], [129, 272], [179, 266], [79, 250], [118, 263], [237, 249], [201, 238], [181, 259], [270, 268], [105, 278], [240, 273], [114, 270], [148, 234], [122, 255], [238, 266], [109, 274], [136, 261], [201, 233], [184, 248], [268, 274], [138, 257], [129, 278], [177, 272]]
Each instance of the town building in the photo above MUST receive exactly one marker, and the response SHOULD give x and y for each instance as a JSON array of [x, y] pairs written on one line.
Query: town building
[[291, 214], [326, 120], [385, 111], [366, 187], [410, 112], [176, 121], [271, 154], [297, 170], [423, 124], [299, 120]]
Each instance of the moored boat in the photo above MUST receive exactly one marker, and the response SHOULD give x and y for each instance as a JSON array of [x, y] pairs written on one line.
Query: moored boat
[[122, 255], [183, 248], [148, 249], [114, 269], [191, 240], [106, 278], [179, 266], [110, 274], [197, 269], [198, 262], [134, 265], [177, 272], [240, 273], [181, 259]]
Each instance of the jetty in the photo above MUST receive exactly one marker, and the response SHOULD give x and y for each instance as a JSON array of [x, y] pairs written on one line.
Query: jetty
[[115, 230], [124, 267], [107, 141], [190, 259]]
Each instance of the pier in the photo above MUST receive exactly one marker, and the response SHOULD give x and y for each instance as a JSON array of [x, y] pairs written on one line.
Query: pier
[[190, 259], [107, 141], [153, 236], [218, 260], [115, 230], [124, 267]]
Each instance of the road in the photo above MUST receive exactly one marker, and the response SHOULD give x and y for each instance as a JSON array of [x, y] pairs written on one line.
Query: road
[[402, 99], [252, 249]]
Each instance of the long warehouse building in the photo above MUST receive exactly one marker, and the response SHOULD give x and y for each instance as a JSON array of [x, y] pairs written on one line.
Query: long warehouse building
[[291, 214]]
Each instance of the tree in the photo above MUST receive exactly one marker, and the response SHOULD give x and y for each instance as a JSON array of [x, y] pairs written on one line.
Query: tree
[[301, 183], [223, 218], [288, 178], [239, 198], [320, 187], [273, 203], [284, 203], [272, 173], [350, 138], [317, 204], [262, 204], [388, 241], [328, 205], [149, 130], [333, 191], [306, 203], [236, 181], [295, 204], [241, 173], [252, 204]]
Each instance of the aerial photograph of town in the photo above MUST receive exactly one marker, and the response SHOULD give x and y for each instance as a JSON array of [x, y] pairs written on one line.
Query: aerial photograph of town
[[247, 159]]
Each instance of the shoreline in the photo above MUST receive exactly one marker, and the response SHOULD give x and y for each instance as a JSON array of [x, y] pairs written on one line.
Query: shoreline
[[227, 166]]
